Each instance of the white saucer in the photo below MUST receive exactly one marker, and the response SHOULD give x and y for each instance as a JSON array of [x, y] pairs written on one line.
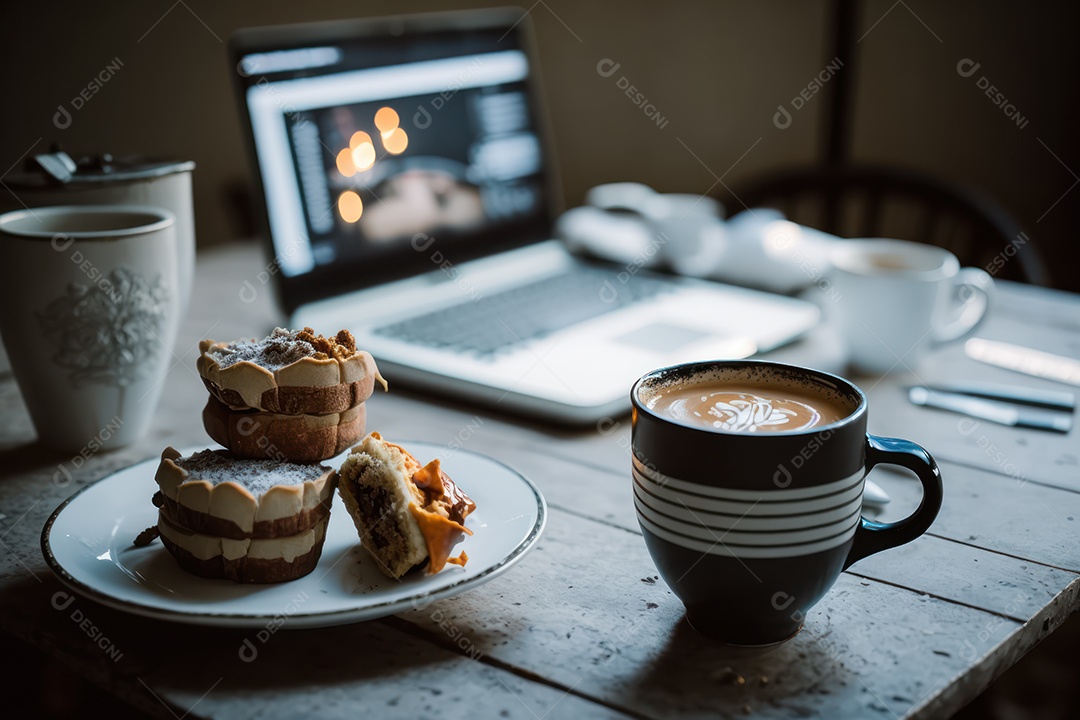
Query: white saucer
[[88, 544]]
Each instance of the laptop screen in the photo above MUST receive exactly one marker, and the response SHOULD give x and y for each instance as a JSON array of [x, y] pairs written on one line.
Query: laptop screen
[[377, 143]]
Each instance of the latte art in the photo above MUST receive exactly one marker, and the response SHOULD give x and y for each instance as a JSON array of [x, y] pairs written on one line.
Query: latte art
[[745, 409], [748, 413]]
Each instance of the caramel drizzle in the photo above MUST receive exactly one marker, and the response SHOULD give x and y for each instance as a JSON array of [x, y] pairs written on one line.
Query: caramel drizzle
[[439, 488], [441, 530]]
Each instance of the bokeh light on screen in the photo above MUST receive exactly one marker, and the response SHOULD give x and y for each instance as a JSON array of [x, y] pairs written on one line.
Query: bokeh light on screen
[[363, 156], [345, 163], [350, 206], [395, 141], [386, 119]]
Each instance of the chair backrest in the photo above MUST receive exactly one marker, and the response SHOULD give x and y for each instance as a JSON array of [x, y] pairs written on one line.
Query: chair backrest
[[874, 201]]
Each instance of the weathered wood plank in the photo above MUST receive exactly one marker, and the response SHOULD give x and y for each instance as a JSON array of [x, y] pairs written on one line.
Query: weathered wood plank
[[1044, 457], [1043, 306], [368, 669], [579, 610], [393, 674], [970, 575], [627, 613], [946, 566], [977, 504], [989, 511], [979, 577], [1007, 645]]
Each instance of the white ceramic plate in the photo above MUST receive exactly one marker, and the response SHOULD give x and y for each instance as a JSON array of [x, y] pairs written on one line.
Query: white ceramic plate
[[88, 544]]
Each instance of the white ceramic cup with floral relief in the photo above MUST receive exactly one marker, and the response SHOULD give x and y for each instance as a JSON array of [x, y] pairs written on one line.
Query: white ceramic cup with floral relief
[[89, 313]]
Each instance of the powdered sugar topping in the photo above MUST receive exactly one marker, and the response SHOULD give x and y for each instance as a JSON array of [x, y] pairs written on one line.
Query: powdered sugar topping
[[257, 476], [282, 347]]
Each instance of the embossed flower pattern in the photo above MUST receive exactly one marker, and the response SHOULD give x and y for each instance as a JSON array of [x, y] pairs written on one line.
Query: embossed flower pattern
[[107, 332]]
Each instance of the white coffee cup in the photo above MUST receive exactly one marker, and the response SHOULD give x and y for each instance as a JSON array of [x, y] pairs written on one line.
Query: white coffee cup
[[898, 299], [89, 311]]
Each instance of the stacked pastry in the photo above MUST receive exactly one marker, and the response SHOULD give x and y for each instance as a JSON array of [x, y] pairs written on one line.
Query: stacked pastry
[[258, 512], [293, 395], [252, 521]]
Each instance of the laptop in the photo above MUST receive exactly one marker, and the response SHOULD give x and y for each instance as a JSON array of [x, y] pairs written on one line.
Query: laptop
[[409, 195]]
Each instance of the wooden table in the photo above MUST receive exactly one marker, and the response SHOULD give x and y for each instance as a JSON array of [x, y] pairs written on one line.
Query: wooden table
[[583, 627]]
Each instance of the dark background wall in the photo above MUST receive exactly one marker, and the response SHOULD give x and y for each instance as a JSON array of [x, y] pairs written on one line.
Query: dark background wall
[[716, 71]]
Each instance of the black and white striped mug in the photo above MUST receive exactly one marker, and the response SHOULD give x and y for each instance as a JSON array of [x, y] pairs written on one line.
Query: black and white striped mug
[[750, 512]]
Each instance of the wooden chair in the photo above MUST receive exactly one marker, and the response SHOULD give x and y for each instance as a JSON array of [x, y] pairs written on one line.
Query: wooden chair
[[852, 200]]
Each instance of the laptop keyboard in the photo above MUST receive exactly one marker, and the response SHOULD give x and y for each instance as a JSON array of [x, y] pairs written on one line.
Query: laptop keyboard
[[501, 321]]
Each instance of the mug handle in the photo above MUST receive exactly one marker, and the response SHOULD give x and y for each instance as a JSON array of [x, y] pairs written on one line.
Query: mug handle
[[873, 537], [975, 288]]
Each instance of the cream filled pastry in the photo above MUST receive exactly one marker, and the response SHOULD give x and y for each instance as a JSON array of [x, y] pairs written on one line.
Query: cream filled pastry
[[247, 520]]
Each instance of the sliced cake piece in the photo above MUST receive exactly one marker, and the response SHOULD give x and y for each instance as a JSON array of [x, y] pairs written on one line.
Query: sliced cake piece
[[405, 513]]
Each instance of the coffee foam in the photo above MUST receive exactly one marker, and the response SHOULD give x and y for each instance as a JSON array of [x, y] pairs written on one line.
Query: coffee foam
[[752, 403], [744, 409]]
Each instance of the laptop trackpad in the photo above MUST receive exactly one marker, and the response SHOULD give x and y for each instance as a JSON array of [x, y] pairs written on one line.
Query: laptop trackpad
[[662, 337]]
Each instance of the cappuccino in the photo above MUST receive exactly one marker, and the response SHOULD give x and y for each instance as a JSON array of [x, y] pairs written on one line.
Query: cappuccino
[[747, 478], [745, 408]]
